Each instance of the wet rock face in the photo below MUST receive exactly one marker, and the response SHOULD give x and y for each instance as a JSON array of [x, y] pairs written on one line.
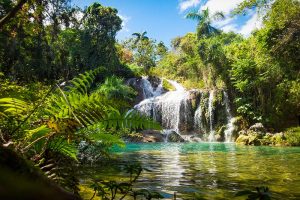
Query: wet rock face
[[146, 87], [155, 81], [136, 84]]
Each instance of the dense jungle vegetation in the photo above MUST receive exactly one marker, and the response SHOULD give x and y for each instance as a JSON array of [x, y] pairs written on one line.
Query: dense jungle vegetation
[[62, 81]]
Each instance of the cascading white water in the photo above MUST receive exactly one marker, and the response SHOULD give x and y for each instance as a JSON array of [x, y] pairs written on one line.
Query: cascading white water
[[148, 90], [198, 118], [177, 86], [229, 126], [211, 136], [176, 110], [167, 105], [167, 133]]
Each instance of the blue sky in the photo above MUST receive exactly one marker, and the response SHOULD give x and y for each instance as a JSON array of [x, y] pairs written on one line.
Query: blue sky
[[164, 19]]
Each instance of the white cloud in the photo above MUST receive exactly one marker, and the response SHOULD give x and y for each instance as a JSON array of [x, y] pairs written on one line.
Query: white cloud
[[225, 6], [253, 23], [125, 20], [186, 4], [221, 5], [230, 24]]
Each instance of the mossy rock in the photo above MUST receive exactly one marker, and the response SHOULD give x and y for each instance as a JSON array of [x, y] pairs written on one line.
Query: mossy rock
[[278, 139], [292, 136], [250, 138], [242, 139], [254, 140]]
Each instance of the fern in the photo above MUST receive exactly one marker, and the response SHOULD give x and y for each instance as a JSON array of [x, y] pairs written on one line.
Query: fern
[[83, 82], [132, 120], [13, 107], [82, 111], [61, 145]]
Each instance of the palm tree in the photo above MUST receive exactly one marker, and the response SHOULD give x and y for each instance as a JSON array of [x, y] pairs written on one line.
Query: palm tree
[[205, 19], [140, 37]]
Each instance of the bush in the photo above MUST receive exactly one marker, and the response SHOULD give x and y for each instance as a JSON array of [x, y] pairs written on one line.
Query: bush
[[114, 88], [137, 71]]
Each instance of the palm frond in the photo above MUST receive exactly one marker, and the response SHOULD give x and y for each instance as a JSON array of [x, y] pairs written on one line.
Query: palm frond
[[194, 15], [136, 34], [218, 16]]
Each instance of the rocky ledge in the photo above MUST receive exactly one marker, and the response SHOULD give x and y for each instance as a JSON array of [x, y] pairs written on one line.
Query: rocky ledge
[[257, 135], [154, 136]]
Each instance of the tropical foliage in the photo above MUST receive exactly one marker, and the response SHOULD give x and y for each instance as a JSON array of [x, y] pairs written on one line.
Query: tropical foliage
[[260, 71], [205, 19], [63, 96]]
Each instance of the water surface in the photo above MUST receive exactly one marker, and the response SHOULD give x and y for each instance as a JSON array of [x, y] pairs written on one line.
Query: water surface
[[212, 170]]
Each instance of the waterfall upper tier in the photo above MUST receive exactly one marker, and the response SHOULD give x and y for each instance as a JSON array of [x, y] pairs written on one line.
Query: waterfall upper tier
[[202, 113]]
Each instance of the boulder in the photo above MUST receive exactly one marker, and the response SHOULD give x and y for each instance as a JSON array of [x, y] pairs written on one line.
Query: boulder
[[249, 138], [242, 139], [172, 136], [155, 81], [195, 139], [278, 139], [259, 128], [152, 136], [254, 138], [145, 136]]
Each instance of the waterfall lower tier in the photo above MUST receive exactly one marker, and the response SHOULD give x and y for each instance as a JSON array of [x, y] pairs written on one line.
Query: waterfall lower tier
[[229, 126], [201, 114], [211, 136]]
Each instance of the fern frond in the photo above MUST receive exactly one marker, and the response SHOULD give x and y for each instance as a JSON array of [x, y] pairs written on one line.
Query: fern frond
[[12, 106], [62, 146], [83, 82], [131, 120]]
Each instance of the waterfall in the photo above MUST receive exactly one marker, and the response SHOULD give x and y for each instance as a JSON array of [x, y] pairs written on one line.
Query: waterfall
[[177, 86], [198, 118], [190, 113], [229, 126], [166, 107], [211, 136], [148, 90], [167, 133], [170, 105]]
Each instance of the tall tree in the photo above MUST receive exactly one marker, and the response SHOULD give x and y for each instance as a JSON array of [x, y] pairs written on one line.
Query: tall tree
[[140, 37], [205, 19], [11, 14], [100, 27]]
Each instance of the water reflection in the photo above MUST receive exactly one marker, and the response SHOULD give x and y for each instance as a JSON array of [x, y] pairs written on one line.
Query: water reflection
[[215, 170]]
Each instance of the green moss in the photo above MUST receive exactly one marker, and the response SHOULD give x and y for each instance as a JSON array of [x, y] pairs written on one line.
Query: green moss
[[293, 136], [278, 140], [167, 86]]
